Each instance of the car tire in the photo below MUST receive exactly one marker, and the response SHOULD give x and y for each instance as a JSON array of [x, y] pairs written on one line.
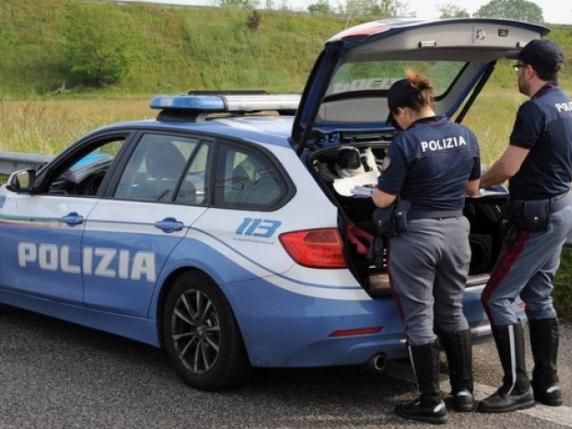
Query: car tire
[[201, 336]]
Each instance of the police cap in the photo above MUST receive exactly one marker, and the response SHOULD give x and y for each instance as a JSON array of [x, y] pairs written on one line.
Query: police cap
[[543, 55], [398, 92]]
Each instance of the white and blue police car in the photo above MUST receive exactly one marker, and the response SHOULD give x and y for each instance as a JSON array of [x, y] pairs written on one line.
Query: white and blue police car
[[224, 231]]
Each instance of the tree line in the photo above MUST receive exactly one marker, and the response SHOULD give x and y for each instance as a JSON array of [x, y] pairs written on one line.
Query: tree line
[[520, 10]]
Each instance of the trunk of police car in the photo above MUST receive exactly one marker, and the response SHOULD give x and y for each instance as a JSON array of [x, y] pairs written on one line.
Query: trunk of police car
[[342, 128], [336, 170]]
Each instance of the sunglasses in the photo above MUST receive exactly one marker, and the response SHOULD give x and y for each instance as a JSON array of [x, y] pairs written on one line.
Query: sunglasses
[[516, 67]]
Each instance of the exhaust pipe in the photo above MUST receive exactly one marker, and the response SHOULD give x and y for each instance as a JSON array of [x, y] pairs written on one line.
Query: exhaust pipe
[[377, 363]]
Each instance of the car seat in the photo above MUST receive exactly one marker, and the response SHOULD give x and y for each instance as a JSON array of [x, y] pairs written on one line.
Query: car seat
[[164, 164], [240, 183]]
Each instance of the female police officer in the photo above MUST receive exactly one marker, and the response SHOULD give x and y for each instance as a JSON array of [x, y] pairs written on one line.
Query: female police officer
[[431, 164]]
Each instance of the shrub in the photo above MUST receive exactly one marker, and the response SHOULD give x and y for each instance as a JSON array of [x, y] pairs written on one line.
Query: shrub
[[95, 46], [253, 20], [321, 7], [238, 4]]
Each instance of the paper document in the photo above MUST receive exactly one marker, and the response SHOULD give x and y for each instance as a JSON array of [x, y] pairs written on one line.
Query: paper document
[[362, 191], [487, 192], [356, 186]]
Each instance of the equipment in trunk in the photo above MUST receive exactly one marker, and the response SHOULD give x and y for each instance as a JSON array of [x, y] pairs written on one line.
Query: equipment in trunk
[[349, 162]]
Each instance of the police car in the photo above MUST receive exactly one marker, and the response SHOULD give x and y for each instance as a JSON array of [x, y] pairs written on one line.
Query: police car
[[231, 230]]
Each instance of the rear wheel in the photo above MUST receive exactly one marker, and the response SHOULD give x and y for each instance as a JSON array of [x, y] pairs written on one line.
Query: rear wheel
[[201, 335]]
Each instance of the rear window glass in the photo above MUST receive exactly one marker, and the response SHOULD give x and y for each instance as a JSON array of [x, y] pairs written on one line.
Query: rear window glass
[[380, 75], [247, 180]]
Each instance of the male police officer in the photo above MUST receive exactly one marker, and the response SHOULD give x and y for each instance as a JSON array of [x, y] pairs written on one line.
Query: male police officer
[[538, 162], [431, 164]]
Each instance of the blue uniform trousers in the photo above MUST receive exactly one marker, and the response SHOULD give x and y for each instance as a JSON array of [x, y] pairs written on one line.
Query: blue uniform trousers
[[428, 268], [526, 268]]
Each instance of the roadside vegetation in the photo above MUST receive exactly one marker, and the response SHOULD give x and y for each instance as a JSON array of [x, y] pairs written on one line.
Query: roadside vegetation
[[70, 66], [74, 48]]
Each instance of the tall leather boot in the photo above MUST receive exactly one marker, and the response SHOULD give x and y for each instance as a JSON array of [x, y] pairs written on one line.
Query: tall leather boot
[[544, 343], [459, 353], [516, 392], [429, 407]]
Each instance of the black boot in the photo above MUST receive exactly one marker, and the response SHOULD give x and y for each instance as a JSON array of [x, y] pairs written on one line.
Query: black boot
[[457, 346], [429, 407], [516, 392], [544, 342]]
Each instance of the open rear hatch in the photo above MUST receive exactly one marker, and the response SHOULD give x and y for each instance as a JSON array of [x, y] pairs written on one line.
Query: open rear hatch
[[347, 89], [344, 105]]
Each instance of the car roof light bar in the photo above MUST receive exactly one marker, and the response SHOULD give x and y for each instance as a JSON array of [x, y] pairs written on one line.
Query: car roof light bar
[[245, 103], [188, 102], [227, 103]]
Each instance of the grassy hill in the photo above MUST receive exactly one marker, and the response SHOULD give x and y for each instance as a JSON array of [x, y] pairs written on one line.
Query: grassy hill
[[166, 48], [169, 48]]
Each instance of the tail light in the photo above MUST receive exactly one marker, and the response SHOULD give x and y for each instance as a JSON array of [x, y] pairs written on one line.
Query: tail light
[[315, 248]]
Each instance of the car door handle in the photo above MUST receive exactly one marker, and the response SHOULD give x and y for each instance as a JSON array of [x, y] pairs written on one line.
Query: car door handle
[[169, 225], [73, 219]]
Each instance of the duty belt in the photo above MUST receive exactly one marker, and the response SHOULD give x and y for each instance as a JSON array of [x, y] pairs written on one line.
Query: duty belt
[[434, 214], [557, 203]]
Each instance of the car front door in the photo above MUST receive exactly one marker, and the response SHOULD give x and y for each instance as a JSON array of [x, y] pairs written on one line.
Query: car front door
[[146, 212], [41, 232]]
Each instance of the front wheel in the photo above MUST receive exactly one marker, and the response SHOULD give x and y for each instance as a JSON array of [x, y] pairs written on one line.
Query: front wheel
[[201, 335]]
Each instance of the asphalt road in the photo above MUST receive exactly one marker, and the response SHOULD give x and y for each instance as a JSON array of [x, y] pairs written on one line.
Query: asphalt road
[[54, 374]]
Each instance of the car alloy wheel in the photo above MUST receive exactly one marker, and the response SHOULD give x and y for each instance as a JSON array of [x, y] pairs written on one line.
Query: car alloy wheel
[[201, 335], [195, 331]]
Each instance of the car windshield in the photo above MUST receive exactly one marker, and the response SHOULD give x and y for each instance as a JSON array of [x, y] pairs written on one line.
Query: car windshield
[[380, 75]]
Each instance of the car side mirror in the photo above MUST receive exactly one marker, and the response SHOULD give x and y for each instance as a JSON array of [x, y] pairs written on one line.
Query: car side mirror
[[21, 181]]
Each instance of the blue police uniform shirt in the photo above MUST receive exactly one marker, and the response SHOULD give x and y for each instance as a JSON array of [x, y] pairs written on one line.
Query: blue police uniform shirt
[[430, 164], [543, 125]]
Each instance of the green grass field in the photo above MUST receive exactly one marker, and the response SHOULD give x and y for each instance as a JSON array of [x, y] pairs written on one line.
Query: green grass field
[[49, 125]]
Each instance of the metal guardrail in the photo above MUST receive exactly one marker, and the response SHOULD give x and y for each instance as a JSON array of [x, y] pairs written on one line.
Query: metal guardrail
[[14, 161]]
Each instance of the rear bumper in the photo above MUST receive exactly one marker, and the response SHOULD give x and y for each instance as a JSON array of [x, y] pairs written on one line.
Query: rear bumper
[[393, 347], [282, 329]]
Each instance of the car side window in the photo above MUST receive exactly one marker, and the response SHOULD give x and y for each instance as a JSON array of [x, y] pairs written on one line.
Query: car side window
[[246, 179], [84, 174], [155, 168]]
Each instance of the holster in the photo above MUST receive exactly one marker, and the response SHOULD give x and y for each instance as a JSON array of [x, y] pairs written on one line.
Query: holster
[[389, 222], [402, 216], [392, 220], [530, 215]]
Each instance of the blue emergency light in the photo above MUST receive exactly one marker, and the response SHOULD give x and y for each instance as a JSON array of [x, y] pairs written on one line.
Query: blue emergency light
[[252, 102], [213, 103]]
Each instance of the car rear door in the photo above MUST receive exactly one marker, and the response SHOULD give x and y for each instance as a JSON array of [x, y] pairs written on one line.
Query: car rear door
[[248, 212], [149, 205]]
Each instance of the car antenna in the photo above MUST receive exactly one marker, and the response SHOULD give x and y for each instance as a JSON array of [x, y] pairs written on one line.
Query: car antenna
[[349, 15]]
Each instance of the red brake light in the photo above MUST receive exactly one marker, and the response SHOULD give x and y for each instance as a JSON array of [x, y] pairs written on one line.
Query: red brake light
[[315, 248]]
